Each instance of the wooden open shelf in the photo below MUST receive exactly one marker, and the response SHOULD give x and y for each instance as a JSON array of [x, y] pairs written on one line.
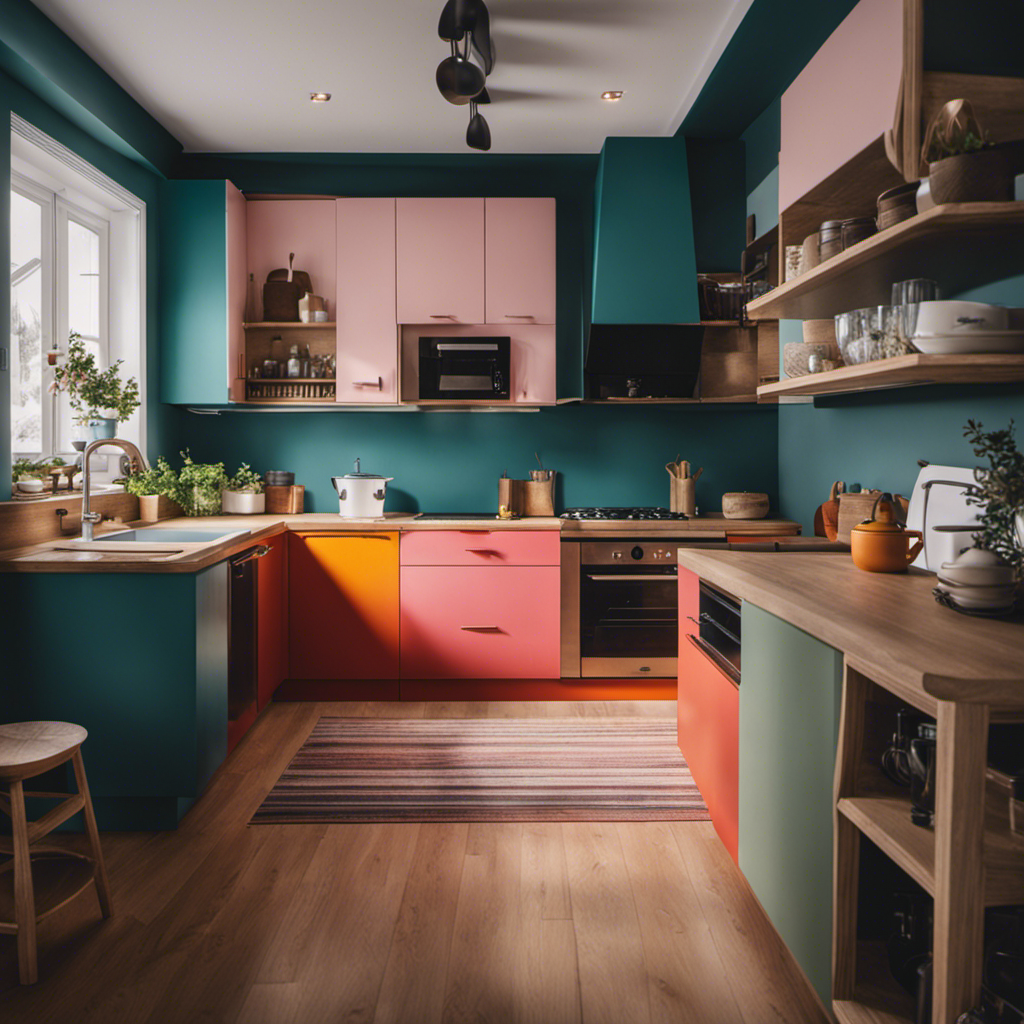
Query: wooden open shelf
[[958, 244], [289, 325], [904, 371], [878, 998]]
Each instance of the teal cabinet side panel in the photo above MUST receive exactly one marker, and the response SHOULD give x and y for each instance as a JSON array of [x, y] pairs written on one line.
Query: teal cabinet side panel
[[193, 292], [212, 625], [114, 653], [645, 269], [789, 719]]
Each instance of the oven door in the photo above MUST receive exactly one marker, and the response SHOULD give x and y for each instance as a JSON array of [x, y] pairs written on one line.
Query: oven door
[[453, 368], [628, 621]]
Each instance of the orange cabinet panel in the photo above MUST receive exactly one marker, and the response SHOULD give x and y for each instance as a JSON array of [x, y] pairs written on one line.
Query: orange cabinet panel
[[343, 606], [272, 620], [472, 622]]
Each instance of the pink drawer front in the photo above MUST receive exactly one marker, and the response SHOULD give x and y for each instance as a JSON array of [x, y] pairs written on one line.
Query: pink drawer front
[[459, 622], [480, 547]]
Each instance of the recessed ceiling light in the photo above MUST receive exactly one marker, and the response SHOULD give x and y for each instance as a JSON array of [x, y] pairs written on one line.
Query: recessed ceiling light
[[319, 97], [612, 95]]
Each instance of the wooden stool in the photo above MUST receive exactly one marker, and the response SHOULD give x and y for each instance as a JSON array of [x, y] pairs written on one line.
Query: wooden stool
[[28, 749]]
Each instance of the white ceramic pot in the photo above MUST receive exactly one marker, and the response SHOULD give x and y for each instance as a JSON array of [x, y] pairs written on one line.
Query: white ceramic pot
[[361, 495], [242, 503]]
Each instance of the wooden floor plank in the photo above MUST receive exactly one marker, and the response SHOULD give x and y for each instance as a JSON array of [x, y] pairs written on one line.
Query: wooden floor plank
[[609, 949], [271, 1004], [547, 988], [688, 983], [545, 879], [413, 987]]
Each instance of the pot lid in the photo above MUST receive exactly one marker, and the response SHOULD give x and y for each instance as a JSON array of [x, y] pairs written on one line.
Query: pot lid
[[358, 475]]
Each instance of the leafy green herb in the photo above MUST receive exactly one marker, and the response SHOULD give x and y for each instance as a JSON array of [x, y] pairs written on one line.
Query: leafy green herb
[[245, 481], [35, 470], [199, 486], [161, 479], [1000, 491], [91, 391]]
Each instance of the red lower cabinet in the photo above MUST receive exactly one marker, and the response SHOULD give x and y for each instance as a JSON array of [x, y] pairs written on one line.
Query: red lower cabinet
[[708, 709], [480, 622]]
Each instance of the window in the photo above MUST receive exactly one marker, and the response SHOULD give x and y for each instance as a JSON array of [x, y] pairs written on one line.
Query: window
[[77, 264]]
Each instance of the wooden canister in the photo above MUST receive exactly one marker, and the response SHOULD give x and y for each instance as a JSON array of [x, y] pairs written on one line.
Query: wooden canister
[[510, 494], [286, 500], [538, 497], [683, 495]]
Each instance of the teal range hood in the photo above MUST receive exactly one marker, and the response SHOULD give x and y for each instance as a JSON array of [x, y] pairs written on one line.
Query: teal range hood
[[645, 269]]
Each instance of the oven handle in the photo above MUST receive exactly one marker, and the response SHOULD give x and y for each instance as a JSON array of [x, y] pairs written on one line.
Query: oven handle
[[646, 578], [711, 620], [720, 662]]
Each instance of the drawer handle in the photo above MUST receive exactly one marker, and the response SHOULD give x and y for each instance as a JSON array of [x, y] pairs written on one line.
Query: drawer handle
[[484, 551], [482, 629], [442, 316], [378, 383], [518, 316], [723, 665], [374, 535]]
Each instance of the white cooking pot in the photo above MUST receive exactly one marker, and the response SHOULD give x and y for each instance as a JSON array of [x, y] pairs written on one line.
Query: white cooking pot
[[361, 495]]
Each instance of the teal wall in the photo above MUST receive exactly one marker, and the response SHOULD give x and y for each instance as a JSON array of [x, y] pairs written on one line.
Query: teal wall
[[718, 196]]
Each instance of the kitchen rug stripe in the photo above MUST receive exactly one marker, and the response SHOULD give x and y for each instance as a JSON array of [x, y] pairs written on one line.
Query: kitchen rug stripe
[[359, 770]]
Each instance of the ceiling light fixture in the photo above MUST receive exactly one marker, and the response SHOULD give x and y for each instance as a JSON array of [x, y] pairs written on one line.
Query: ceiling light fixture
[[319, 97], [459, 79], [612, 95]]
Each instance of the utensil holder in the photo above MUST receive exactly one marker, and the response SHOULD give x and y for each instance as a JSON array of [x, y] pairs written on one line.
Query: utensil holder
[[285, 500], [539, 497], [510, 494], [683, 495]]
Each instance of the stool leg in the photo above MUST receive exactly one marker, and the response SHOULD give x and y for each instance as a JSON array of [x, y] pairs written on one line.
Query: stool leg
[[24, 898], [100, 870]]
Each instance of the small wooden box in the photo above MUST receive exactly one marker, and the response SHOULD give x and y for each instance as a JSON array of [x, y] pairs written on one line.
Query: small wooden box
[[286, 500]]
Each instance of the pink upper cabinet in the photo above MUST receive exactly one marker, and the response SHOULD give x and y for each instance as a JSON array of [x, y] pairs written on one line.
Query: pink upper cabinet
[[843, 99], [440, 261], [237, 277], [520, 261], [367, 331], [305, 227]]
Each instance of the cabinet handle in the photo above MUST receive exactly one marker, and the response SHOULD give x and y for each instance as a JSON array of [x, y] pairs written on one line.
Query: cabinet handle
[[372, 534], [484, 551], [259, 552], [482, 629], [443, 316], [725, 667], [638, 578], [518, 316], [378, 383]]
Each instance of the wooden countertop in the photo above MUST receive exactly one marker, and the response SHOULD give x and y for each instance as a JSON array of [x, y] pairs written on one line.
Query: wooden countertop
[[888, 624]]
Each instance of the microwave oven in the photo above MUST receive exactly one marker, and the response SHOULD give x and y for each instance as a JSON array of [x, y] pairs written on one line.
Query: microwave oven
[[467, 367]]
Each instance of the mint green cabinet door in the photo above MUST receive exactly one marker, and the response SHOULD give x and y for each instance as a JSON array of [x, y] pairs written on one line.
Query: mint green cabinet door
[[202, 291], [789, 720]]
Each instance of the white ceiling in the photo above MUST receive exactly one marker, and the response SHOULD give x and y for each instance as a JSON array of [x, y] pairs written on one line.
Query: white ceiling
[[235, 75]]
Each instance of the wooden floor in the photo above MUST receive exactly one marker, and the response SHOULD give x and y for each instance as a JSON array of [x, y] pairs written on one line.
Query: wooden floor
[[413, 923]]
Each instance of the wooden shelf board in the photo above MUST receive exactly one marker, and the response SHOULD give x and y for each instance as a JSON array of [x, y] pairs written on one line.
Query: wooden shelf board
[[885, 820], [278, 325], [259, 381], [288, 401], [878, 999], [744, 324], [957, 244], [904, 371], [721, 400]]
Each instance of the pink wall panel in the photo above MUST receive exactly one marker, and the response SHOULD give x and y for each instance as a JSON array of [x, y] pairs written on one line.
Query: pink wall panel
[[367, 329], [305, 227], [513, 613], [480, 547], [237, 278], [440, 258], [843, 99], [520, 267]]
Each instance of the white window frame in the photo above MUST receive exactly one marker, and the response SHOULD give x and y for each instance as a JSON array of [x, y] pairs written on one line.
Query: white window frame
[[86, 195]]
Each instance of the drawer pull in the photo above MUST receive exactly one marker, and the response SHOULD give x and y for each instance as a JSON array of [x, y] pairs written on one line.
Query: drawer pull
[[518, 316], [482, 629], [378, 383], [484, 551], [442, 316]]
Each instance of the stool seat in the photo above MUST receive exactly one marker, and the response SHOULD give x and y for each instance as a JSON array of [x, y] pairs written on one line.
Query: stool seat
[[31, 748], [28, 749]]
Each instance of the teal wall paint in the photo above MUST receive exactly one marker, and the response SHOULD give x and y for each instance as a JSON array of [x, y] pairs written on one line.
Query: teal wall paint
[[763, 203], [790, 699], [717, 193], [193, 315], [161, 420], [644, 266], [36, 53], [450, 462], [761, 143]]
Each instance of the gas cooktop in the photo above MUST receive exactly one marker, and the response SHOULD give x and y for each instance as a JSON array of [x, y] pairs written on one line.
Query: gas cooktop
[[587, 514]]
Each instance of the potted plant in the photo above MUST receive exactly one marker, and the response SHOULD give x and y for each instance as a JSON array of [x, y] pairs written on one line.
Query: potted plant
[[999, 490], [963, 166], [99, 397], [199, 486], [243, 493], [155, 489]]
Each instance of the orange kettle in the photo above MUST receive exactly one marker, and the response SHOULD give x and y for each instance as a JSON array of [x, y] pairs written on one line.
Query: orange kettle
[[881, 544]]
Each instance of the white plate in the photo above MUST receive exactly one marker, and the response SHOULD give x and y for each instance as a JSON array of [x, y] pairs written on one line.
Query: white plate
[[975, 341]]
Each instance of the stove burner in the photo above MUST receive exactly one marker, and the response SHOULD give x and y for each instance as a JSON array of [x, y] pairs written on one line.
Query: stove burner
[[621, 513]]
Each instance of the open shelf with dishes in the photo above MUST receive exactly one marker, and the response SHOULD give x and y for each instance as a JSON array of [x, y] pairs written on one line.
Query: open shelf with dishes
[[268, 346]]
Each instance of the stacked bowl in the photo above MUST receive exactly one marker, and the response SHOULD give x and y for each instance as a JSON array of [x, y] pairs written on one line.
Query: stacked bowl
[[979, 582]]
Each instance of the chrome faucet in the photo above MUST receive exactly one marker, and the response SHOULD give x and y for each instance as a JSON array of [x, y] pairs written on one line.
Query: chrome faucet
[[90, 518]]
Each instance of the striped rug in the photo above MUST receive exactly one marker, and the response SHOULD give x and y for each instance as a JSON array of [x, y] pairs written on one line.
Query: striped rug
[[508, 769]]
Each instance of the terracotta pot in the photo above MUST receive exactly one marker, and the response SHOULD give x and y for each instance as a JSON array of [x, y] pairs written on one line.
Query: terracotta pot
[[984, 176]]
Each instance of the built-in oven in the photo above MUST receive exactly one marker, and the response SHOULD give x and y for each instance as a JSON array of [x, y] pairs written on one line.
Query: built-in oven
[[465, 368], [628, 623], [718, 629]]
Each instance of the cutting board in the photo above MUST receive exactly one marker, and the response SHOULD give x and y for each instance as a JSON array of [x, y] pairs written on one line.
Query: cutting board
[[947, 506]]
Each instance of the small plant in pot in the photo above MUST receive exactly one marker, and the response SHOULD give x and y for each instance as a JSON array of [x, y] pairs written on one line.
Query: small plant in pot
[[963, 166], [99, 397], [999, 490], [155, 489], [243, 493], [199, 486]]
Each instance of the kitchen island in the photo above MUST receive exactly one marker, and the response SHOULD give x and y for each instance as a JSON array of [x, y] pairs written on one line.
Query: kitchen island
[[829, 650]]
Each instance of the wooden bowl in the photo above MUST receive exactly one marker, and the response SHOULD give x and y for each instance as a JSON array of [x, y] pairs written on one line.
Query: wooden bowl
[[744, 505]]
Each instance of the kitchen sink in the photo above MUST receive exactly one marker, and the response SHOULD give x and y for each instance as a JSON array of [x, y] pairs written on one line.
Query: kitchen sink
[[166, 535]]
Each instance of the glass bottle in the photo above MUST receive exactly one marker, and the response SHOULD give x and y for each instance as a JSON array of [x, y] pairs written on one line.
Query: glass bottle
[[294, 363]]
